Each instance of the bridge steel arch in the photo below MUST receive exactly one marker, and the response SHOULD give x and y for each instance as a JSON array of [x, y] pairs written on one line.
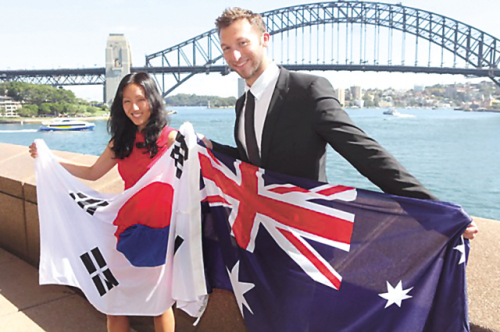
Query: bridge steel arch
[[475, 52]]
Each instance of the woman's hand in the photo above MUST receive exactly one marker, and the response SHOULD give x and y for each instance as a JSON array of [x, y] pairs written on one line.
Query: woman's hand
[[33, 150], [471, 231]]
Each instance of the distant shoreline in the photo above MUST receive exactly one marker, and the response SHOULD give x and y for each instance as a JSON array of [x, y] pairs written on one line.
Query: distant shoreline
[[50, 118], [40, 120]]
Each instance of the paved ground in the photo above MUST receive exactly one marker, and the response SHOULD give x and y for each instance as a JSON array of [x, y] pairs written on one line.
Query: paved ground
[[25, 306], [483, 277]]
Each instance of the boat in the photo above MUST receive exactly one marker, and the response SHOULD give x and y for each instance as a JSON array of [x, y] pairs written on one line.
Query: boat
[[392, 111], [66, 125]]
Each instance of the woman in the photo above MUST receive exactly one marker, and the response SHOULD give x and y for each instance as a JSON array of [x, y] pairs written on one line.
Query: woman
[[139, 136]]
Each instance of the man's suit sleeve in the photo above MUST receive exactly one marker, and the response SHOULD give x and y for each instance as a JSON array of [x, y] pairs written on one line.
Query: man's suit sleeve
[[226, 149], [373, 161]]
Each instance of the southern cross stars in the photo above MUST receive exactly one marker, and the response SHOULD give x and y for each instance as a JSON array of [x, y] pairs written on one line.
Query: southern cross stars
[[395, 295], [240, 288], [461, 249]]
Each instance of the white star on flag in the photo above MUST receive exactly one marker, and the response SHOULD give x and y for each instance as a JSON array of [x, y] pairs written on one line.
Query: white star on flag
[[461, 248], [240, 288], [395, 295]]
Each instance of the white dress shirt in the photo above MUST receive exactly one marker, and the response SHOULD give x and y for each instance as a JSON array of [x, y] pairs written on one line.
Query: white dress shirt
[[262, 89]]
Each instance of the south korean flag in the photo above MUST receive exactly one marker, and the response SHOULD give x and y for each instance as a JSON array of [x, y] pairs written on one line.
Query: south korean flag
[[133, 253]]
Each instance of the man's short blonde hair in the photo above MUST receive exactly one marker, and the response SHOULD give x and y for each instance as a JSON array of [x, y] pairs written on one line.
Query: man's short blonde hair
[[231, 15]]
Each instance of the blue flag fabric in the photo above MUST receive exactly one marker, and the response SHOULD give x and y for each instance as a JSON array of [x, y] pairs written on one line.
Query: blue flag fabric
[[307, 256]]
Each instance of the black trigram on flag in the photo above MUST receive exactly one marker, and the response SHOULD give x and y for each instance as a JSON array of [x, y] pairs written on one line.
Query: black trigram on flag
[[101, 275], [87, 203], [178, 242], [179, 153]]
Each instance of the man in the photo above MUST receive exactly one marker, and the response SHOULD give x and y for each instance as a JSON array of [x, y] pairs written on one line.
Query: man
[[296, 115]]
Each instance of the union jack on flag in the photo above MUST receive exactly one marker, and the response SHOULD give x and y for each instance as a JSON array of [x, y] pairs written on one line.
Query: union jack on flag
[[288, 213]]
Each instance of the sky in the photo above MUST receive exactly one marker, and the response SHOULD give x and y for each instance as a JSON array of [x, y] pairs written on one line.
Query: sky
[[53, 34]]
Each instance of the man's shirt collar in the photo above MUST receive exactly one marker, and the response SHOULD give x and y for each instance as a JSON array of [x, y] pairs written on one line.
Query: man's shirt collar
[[269, 76]]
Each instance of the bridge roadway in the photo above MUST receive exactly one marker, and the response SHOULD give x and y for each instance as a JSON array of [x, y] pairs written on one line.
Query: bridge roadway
[[26, 306], [97, 76]]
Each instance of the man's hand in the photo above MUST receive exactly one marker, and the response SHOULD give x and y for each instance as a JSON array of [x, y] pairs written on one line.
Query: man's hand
[[208, 143]]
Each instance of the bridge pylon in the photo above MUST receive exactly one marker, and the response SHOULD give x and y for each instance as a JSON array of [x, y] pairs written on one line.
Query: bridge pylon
[[118, 64]]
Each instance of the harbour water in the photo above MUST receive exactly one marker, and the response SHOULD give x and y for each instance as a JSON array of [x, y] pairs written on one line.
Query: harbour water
[[454, 154]]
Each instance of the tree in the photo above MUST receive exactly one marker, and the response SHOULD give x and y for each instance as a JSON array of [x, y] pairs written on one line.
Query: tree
[[28, 111], [368, 100], [80, 110], [44, 109], [183, 99], [92, 110], [69, 108], [37, 93]]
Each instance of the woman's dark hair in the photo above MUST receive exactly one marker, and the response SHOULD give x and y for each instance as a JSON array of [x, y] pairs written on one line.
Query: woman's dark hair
[[123, 130]]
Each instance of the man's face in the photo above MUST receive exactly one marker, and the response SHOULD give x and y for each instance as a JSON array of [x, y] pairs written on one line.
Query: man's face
[[244, 48]]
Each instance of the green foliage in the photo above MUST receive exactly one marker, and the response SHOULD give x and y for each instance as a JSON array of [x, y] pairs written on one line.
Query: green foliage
[[44, 109], [28, 111], [183, 99], [46, 100], [93, 110], [37, 93], [368, 98]]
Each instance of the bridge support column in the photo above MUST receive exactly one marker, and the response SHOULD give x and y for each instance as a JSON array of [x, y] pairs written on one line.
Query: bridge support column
[[118, 64]]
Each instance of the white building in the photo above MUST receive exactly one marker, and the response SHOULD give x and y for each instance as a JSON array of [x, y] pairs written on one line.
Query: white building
[[9, 107], [340, 95], [359, 103]]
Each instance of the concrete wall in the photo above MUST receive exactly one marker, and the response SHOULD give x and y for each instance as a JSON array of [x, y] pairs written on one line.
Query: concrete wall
[[19, 234], [19, 231]]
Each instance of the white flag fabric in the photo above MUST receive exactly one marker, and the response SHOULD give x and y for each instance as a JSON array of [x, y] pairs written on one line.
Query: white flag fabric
[[133, 253]]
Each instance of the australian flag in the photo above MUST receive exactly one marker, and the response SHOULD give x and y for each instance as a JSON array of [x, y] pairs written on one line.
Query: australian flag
[[308, 256]]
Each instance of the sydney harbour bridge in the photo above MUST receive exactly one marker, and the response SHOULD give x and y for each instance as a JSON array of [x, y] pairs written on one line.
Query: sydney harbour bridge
[[325, 36]]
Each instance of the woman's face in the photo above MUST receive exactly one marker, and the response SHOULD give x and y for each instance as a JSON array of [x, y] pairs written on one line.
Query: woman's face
[[136, 105]]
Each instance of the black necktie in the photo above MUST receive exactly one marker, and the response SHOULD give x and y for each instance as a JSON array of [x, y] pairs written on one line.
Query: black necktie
[[250, 138]]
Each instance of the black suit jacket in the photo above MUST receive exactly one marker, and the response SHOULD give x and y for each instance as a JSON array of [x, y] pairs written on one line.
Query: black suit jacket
[[303, 117]]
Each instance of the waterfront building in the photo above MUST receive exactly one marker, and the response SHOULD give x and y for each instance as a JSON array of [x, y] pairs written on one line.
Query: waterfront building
[[418, 88], [356, 97], [386, 101], [355, 92], [340, 95], [359, 103], [494, 103], [9, 107]]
